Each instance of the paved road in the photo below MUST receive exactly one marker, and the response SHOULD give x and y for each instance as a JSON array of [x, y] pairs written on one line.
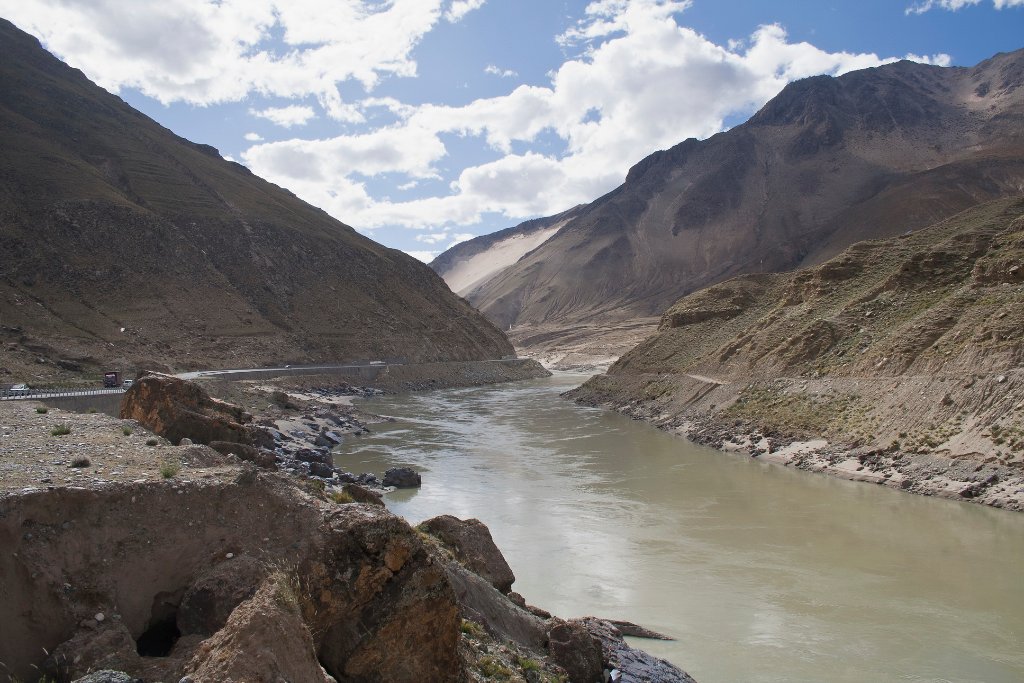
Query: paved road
[[276, 371]]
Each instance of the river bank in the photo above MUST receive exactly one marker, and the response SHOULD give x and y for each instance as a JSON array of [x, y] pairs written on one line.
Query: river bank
[[844, 427], [149, 554], [762, 573]]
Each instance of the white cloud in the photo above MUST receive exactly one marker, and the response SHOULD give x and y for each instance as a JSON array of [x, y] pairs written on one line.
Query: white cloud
[[496, 71], [642, 83], [253, 137], [425, 256], [292, 115], [432, 237], [638, 81], [460, 8], [954, 5], [212, 51]]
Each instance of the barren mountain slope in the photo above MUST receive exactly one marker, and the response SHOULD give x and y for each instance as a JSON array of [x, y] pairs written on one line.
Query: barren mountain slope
[[907, 349], [828, 162], [124, 245]]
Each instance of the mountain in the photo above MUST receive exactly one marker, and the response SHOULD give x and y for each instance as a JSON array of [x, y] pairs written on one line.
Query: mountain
[[905, 354], [125, 245], [826, 163]]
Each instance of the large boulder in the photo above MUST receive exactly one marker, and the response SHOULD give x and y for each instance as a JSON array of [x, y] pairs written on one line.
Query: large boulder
[[402, 478], [470, 542], [176, 409], [107, 646]]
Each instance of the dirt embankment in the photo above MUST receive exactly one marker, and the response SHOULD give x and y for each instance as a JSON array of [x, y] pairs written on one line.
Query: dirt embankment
[[125, 552]]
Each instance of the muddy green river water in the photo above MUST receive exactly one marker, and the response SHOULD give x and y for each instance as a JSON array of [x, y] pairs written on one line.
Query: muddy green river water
[[761, 573]]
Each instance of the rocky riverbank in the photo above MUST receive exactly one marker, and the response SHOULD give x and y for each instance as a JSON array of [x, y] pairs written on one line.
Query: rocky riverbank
[[818, 426], [126, 552]]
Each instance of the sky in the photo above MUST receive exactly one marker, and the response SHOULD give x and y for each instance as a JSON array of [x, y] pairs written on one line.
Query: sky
[[423, 123]]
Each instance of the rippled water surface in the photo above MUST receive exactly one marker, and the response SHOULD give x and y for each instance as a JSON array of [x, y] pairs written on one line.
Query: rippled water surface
[[762, 573]]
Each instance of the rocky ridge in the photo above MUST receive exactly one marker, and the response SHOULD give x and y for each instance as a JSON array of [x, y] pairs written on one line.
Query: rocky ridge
[[127, 247], [827, 163], [897, 362]]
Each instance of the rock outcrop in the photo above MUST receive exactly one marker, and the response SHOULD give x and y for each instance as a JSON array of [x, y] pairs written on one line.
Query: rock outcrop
[[471, 543]]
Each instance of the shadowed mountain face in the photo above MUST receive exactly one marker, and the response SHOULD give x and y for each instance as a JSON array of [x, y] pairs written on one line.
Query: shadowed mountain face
[[124, 244], [828, 162]]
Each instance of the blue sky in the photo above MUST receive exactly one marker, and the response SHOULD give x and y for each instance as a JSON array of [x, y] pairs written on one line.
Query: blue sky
[[425, 122]]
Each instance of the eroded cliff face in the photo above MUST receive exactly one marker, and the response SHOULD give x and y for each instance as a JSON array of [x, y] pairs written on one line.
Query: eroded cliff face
[[358, 590], [902, 357]]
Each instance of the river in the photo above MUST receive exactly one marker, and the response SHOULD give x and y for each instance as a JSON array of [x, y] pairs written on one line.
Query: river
[[762, 573]]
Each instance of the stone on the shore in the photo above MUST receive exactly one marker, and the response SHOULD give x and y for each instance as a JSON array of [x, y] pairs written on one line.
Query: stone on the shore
[[319, 469], [363, 495], [402, 478], [262, 458], [471, 543], [635, 665]]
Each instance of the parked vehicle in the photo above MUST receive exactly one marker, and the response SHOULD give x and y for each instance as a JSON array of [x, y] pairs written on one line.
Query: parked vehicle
[[19, 390], [127, 383], [111, 379]]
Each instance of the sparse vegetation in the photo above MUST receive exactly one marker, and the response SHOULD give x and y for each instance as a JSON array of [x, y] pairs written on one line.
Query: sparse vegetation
[[81, 461], [152, 442], [492, 668], [340, 497], [170, 468], [126, 430], [42, 410], [60, 430], [527, 664], [471, 628]]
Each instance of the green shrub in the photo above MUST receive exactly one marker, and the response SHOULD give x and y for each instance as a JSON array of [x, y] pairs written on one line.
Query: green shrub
[[527, 664], [80, 461], [42, 410], [126, 430], [152, 442], [60, 430], [169, 469]]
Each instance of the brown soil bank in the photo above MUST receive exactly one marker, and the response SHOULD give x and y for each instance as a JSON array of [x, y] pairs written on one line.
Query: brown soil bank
[[124, 552], [899, 360]]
